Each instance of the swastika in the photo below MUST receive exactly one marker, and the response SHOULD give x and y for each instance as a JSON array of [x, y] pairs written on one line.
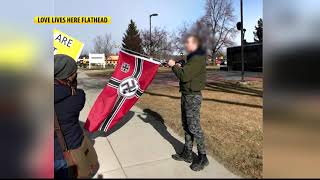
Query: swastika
[[128, 87]]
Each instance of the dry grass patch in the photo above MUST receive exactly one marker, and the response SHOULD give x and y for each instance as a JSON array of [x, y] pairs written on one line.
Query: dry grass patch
[[231, 117]]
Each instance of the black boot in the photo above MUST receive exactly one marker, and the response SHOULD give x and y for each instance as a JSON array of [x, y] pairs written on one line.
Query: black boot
[[199, 163], [185, 155]]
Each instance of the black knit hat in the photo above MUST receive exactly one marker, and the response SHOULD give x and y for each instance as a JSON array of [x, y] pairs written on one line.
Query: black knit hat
[[64, 66]]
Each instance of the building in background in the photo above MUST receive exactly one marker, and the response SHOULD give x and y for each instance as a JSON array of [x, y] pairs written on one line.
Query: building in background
[[252, 57], [112, 60], [97, 60]]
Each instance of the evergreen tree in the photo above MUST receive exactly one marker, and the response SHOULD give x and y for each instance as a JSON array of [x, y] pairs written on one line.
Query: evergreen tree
[[131, 39], [258, 34]]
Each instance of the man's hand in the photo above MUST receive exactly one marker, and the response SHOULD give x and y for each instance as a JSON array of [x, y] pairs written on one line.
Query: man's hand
[[171, 63]]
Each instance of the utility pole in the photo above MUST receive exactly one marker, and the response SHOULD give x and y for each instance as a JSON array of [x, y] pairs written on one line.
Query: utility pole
[[242, 42]]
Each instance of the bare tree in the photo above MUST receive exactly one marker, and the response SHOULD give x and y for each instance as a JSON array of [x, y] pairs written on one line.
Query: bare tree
[[103, 44], [220, 21], [161, 47], [178, 37], [84, 53], [216, 28]]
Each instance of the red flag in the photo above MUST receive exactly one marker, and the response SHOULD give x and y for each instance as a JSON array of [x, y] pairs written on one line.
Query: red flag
[[131, 77]]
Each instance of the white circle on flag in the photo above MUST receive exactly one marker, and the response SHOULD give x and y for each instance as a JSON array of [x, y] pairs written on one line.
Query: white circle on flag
[[128, 87]]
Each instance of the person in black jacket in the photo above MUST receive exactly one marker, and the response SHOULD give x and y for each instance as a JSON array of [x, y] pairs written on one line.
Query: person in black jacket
[[68, 102]]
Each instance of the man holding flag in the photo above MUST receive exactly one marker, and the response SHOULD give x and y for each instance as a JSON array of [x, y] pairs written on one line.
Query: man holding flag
[[192, 78], [132, 76]]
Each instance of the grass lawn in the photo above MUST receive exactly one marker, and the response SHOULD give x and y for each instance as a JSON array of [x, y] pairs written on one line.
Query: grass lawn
[[231, 117]]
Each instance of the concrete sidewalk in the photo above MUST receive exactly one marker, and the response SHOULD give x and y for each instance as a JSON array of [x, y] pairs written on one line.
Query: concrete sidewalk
[[140, 146]]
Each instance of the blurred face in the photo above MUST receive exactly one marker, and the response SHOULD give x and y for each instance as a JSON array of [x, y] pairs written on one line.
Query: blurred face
[[190, 44], [73, 77]]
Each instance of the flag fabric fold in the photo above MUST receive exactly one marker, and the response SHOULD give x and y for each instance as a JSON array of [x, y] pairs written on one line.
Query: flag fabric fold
[[131, 77]]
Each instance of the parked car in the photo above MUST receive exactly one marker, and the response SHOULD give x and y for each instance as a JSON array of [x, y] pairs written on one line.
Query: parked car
[[224, 65]]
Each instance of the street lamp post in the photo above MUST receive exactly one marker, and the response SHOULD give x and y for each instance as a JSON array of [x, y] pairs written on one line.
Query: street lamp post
[[242, 42], [150, 45]]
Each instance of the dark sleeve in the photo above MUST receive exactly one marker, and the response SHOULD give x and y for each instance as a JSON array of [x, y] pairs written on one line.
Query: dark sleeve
[[188, 71], [81, 97]]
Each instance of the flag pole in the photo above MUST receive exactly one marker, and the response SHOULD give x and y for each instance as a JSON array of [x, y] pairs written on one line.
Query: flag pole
[[139, 54]]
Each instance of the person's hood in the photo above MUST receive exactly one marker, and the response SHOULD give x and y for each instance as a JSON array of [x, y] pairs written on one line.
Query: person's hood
[[64, 66], [61, 92]]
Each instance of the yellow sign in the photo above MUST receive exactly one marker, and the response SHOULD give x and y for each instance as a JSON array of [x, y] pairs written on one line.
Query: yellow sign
[[72, 20], [65, 44]]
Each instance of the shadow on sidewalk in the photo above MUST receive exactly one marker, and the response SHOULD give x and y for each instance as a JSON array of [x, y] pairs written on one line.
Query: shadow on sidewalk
[[157, 122], [121, 123], [98, 133]]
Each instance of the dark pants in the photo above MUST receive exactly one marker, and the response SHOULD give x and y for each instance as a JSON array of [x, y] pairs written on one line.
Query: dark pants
[[60, 169], [190, 110]]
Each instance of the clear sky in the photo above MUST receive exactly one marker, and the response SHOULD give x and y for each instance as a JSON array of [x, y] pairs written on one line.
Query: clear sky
[[172, 14]]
